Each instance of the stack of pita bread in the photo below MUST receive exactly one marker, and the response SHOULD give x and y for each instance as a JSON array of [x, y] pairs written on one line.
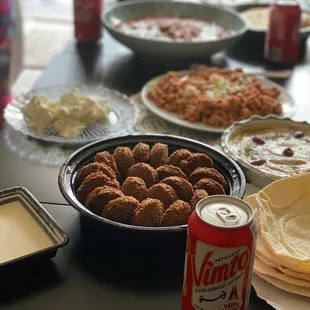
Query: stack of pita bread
[[282, 212]]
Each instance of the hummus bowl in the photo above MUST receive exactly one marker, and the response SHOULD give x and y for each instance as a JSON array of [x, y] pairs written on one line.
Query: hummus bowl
[[268, 148]]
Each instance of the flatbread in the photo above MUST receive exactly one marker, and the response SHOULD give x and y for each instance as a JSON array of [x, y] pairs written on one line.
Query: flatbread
[[289, 272], [283, 219], [277, 298], [266, 256], [262, 268], [303, 291], [262, 250]]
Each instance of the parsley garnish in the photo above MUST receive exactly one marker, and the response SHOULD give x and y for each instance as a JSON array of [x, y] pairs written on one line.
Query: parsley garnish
[[248, 151]]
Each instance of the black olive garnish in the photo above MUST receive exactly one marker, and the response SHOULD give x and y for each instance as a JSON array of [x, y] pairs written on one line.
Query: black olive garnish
[[258, 162], [288, 152], [298, 134], [258, 141]]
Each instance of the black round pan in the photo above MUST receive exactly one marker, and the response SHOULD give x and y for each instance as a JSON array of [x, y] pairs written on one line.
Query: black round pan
[[68, 173]]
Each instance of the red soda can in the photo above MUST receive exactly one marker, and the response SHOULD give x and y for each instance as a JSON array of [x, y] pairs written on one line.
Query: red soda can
[[221, 242], [282, 41], [87, 20]]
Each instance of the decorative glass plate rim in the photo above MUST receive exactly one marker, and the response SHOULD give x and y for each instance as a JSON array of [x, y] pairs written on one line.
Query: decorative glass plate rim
[[125, 110], [286, 100]]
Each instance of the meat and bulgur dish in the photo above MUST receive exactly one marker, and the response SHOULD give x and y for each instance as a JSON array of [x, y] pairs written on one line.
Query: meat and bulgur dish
[[144, 186], [215, 97]]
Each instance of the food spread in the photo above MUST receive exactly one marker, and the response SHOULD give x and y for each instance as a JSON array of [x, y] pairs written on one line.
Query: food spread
[[279, 151], [171, 28], [148, 185], [69, 115]]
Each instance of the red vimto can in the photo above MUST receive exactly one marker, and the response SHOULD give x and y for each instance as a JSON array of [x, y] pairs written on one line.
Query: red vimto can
[[220, 250], [282, 41], [87, 21]]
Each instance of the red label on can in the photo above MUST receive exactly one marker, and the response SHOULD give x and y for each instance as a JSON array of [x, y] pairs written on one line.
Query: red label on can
[[217, 274], [87, 20], [282, 43]]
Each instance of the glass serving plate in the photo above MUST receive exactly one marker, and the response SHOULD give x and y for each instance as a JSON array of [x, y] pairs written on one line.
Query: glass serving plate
[[120, 119]]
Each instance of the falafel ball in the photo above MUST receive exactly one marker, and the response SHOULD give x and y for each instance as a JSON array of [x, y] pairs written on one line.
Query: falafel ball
[[163, 192], [182, 187], [94, 167], [158, 155], [92, 181], [198, 195], [207, 173], [210, 186], [177, 214], [166, 171], [124, 159], [141, 153], [176, 157], [197, 160], [144, 171], [120, 209], [184, 166], [106, 158], [100, 196], [149, 213], [135, 187]]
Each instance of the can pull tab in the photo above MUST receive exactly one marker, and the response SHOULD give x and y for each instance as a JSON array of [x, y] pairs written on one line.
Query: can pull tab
[[227, 215]]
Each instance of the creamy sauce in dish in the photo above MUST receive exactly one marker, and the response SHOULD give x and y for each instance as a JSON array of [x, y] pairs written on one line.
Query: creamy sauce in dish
[[20, 234], [171, 28], [279, 153]]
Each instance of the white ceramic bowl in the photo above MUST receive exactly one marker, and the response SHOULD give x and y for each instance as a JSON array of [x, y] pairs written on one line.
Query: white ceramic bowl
[[253, 174], [173, 52]]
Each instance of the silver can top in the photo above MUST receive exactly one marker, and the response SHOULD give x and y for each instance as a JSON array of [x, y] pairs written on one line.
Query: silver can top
[[224, 211]]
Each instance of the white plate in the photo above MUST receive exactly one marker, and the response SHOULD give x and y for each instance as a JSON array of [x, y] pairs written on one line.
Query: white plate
[[286, 100], [120, 119]]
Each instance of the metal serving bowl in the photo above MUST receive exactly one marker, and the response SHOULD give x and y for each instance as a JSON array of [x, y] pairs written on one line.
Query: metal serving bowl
[[68, 173], [173, 52]]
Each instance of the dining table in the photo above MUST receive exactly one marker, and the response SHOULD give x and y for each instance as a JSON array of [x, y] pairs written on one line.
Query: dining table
[[110, 275]]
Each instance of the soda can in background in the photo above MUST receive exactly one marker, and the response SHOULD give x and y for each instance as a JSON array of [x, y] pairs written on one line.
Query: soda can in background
[[221, 242], [87, 20], [282, 41]]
